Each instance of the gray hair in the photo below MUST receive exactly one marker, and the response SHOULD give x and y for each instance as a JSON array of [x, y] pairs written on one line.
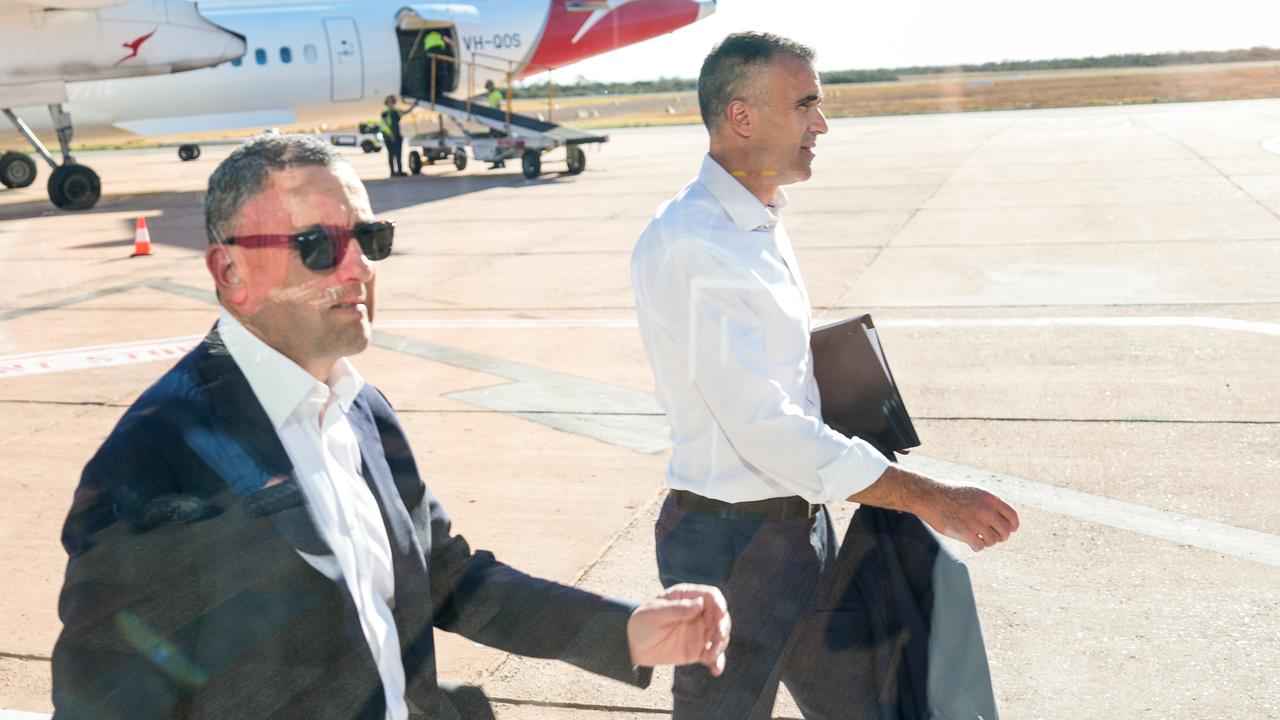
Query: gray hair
[[244, 173], [729, 68]]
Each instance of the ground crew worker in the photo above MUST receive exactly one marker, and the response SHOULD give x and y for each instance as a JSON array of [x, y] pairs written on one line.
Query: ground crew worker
[[432, 40], [495, 101], [495, 95], [436, 43], [389, 124]]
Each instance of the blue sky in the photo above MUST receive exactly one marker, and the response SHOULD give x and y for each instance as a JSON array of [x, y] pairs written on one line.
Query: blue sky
[[892, 33]]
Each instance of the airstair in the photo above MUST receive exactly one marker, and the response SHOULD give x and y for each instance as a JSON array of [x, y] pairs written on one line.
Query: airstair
[[506, 134]]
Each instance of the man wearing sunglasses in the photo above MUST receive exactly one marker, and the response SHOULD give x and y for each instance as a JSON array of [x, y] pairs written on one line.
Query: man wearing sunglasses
[[254, 539]]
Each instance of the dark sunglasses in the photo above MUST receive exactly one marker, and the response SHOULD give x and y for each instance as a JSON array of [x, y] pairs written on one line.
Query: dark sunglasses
[[323, 247]]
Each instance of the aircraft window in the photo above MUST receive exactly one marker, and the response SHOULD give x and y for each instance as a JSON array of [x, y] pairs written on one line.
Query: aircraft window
[[309, 52], [286, 55], [237, 62], [260, 56]]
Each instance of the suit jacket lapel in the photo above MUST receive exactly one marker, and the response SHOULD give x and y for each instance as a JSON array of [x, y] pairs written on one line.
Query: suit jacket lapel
[[413, 605], [243, 448], [409, 565]]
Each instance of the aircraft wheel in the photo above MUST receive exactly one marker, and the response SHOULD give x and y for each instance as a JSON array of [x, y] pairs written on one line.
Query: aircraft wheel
[[188, 152], [17, 170], [460, 159], [531, 163], [415, 163], [74, 187], [577, 159]]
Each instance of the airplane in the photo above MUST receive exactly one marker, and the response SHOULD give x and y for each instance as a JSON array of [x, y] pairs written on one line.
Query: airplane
[[47, 44], [308, 62]]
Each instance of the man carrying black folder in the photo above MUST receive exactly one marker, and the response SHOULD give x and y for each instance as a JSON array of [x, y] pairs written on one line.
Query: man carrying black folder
[[726, 323]]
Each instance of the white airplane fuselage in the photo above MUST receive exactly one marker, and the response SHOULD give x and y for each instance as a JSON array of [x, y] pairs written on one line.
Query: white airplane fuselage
[[315, 62]]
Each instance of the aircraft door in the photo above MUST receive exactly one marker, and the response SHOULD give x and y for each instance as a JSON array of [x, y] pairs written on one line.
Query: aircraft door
[[346, 61], [417, 78]]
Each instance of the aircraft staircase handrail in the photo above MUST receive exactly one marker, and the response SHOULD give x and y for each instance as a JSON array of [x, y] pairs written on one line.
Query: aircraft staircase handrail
[[510, 75], [503, 119]]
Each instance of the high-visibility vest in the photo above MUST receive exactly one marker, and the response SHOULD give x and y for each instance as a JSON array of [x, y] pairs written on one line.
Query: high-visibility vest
[[495, 98], [433, 39], [385, 124]]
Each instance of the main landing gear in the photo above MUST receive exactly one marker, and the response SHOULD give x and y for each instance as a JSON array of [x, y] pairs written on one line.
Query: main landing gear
[[71, 186]]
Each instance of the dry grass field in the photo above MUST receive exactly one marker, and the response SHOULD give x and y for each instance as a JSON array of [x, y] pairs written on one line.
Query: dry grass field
[[955, 93], [919, 94]]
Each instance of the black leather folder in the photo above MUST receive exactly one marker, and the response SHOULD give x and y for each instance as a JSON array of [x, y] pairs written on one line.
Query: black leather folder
[[859, 396]]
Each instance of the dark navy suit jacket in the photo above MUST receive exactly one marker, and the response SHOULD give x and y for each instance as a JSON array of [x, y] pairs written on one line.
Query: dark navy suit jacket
[[185, 595]]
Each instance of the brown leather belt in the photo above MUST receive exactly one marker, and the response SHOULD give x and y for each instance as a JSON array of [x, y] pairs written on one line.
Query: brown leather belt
[[787, 508]]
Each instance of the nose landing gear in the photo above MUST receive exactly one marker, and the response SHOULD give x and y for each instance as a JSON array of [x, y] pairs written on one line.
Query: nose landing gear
[[17, 170]]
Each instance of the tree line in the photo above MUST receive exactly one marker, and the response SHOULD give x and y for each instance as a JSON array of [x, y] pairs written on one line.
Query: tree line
[[582, 86]]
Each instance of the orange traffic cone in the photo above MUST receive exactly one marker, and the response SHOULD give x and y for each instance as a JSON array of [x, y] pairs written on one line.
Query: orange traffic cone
[[141, 239]]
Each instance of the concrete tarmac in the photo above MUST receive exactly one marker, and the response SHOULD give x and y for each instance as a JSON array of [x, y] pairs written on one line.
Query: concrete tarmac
[[1082, 308]]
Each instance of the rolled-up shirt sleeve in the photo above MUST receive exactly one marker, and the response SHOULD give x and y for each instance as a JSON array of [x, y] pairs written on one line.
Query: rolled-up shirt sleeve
[[717, 314]]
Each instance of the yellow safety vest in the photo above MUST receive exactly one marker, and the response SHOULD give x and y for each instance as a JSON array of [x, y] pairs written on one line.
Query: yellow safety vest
[[385, 124], [433, 40], [495, 98]]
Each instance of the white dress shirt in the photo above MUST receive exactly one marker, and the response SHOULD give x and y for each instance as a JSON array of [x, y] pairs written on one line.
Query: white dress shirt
[[310, 417], [725, 320]]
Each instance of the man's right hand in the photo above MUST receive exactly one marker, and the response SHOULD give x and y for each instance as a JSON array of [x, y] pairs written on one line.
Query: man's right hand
[[685, 624], [970, 514]]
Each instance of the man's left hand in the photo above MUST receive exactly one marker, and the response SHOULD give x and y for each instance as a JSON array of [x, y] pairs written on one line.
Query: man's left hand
[[683, 625]]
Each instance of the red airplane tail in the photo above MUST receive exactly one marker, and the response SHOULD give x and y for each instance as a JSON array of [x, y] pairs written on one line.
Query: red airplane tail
[[579, 29]]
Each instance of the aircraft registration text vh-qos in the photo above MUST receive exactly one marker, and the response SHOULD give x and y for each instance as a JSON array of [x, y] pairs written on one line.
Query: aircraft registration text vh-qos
[[497, 41]]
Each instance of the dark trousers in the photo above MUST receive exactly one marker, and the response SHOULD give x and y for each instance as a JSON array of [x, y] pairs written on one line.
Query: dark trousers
[[394, 145], [848, 631], [768, 572], [444, 74], [416, 82]]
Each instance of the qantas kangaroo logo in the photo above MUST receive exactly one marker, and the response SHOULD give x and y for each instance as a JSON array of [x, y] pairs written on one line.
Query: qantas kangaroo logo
[[134, 44], [598, 8]]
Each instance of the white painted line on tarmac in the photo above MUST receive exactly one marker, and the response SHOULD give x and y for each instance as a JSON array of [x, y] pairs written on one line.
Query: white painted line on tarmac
[[1101, 510], [509, 323], [83, 358], [22, 715], [1208, 323]]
